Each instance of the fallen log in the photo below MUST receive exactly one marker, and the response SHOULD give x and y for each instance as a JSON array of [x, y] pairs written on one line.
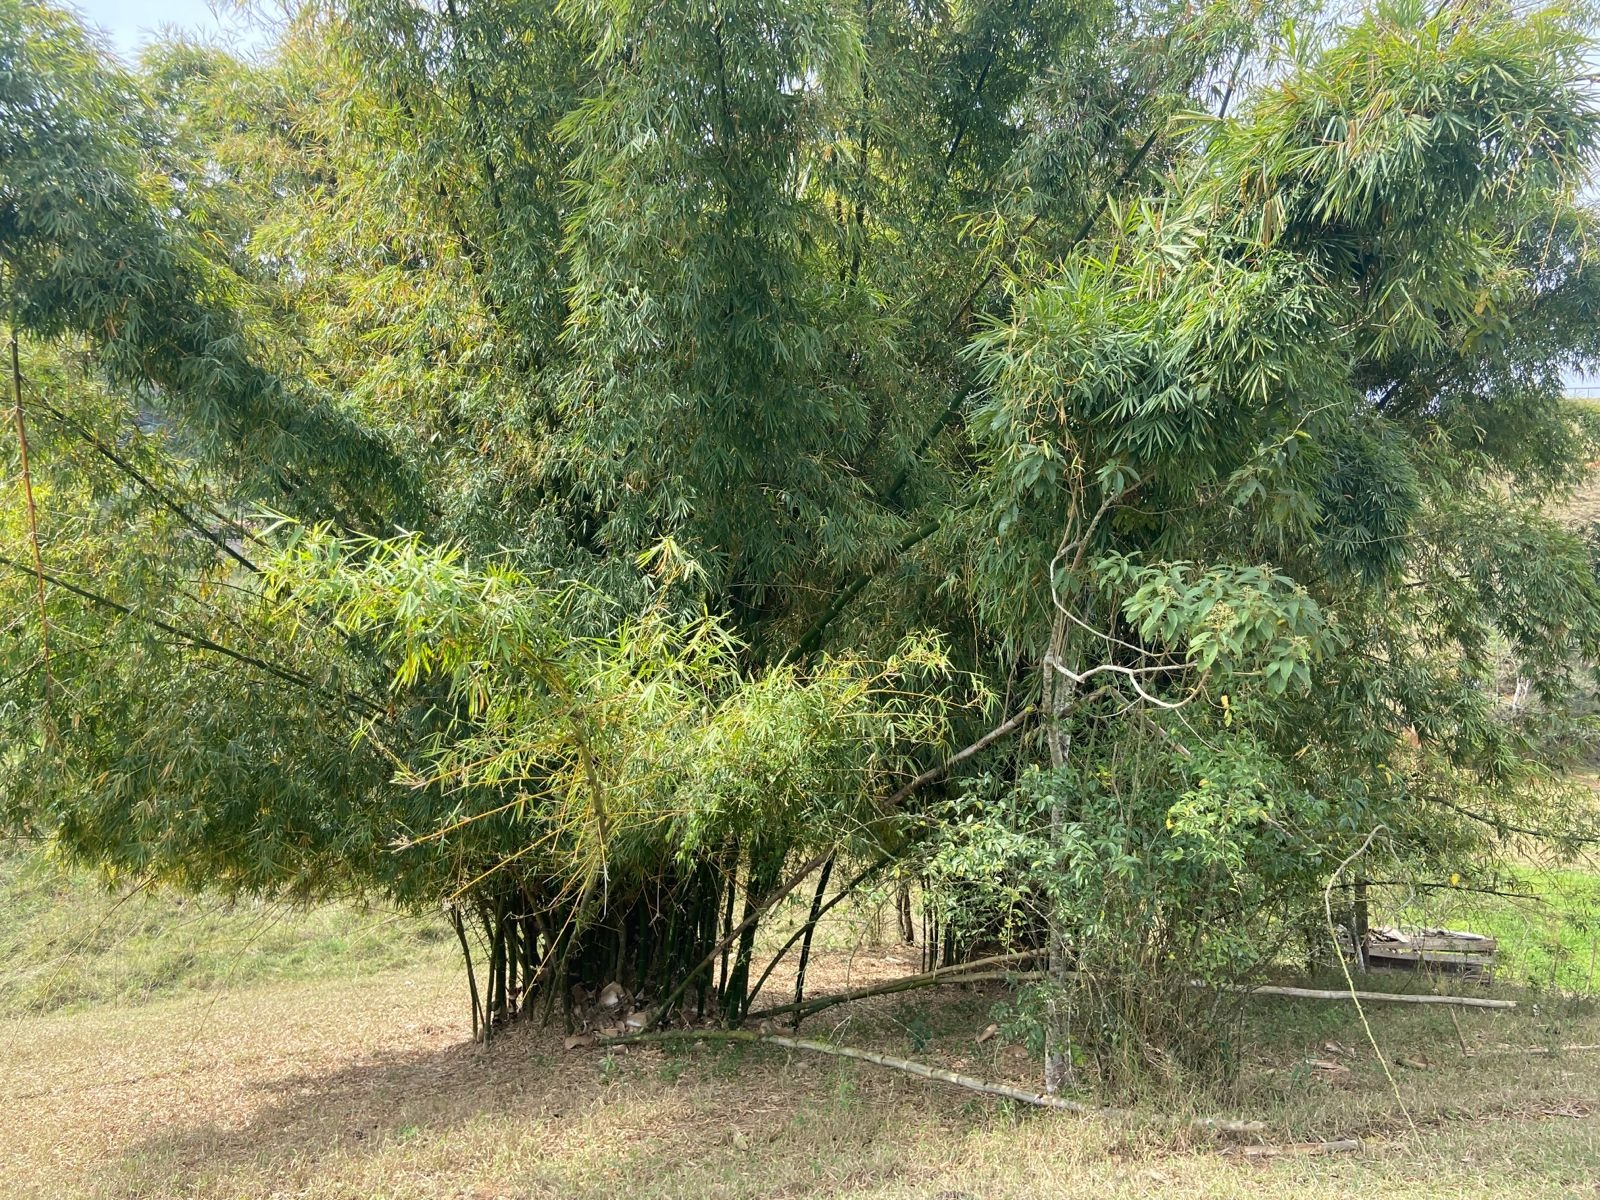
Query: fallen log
[[968, 973], [1213, 1125]]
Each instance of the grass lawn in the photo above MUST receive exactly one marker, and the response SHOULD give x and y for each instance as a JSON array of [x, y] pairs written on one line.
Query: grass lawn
[[157, 1049], [366, 1086], [67, 942], [1552, 941]]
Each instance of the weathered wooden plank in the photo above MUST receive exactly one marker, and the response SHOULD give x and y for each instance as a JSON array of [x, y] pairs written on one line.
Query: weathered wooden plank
[[1411, 954]]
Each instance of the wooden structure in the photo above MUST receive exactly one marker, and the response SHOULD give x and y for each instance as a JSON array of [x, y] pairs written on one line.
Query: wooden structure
[[1471, 955]]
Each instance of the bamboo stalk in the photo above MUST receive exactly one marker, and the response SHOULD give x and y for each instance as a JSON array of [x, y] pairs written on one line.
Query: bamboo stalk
[[472, 979], [762, 876], [732, 892], [750, 919], [1385, 997], [961, 973], [932, 773], [805, 944], [971, 973], [1577, 1048], [1214, 1125], [889, 1062], [842, 894]]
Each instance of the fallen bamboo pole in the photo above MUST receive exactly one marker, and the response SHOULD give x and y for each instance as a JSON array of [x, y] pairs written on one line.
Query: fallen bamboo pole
[[971, 1082], [966, 973], [1585, 1047], [1222, 1126], [1384, 997], [1213, 1125]]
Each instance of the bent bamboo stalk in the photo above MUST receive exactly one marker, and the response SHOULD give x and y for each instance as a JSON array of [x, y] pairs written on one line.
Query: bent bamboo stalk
[[1576, 1048], [888, 1061], [971, 972]]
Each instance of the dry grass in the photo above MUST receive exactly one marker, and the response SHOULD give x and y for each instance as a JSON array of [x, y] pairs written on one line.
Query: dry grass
[[367, 1088], [1583, 509]]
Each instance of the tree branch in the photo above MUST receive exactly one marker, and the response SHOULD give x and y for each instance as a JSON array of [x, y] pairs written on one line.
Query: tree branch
[[197, 640], [127, 468], [1500, 826], [932, 773]]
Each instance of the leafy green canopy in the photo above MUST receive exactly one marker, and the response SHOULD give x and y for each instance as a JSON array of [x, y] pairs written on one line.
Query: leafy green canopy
[[705, 419], [94, 246]]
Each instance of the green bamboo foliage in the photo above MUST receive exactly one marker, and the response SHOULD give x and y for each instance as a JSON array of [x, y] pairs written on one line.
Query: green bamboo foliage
[[593, 465], [93, 249]]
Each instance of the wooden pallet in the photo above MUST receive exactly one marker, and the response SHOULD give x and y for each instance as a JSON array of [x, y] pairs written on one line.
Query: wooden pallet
[[1469, 954]]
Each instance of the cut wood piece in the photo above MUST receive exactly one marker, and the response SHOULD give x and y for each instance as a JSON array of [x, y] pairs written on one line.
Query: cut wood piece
[[1470, 968], [1471, 955], [1339, 1146]]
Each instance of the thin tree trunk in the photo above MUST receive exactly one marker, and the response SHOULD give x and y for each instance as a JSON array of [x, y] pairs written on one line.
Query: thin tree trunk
[[1358, 923], [805, 943], [26, 478], [1058, 694], [726, 928], [472, 978]]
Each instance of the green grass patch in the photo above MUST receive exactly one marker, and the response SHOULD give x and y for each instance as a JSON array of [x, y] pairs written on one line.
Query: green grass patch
[[1550, 941], [67, 941]]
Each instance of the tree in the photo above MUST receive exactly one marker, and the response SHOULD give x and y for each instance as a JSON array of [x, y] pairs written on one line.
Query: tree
[[1065, 453]]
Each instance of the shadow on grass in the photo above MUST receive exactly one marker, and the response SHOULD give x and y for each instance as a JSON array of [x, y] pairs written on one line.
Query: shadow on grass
[[523, 1117], [538, 1120]]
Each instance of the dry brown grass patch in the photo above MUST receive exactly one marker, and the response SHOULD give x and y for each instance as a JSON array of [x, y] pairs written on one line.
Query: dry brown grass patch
[[369, 1088]]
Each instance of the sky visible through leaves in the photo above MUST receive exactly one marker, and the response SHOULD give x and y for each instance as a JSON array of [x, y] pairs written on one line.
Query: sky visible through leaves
[[129, 25]]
